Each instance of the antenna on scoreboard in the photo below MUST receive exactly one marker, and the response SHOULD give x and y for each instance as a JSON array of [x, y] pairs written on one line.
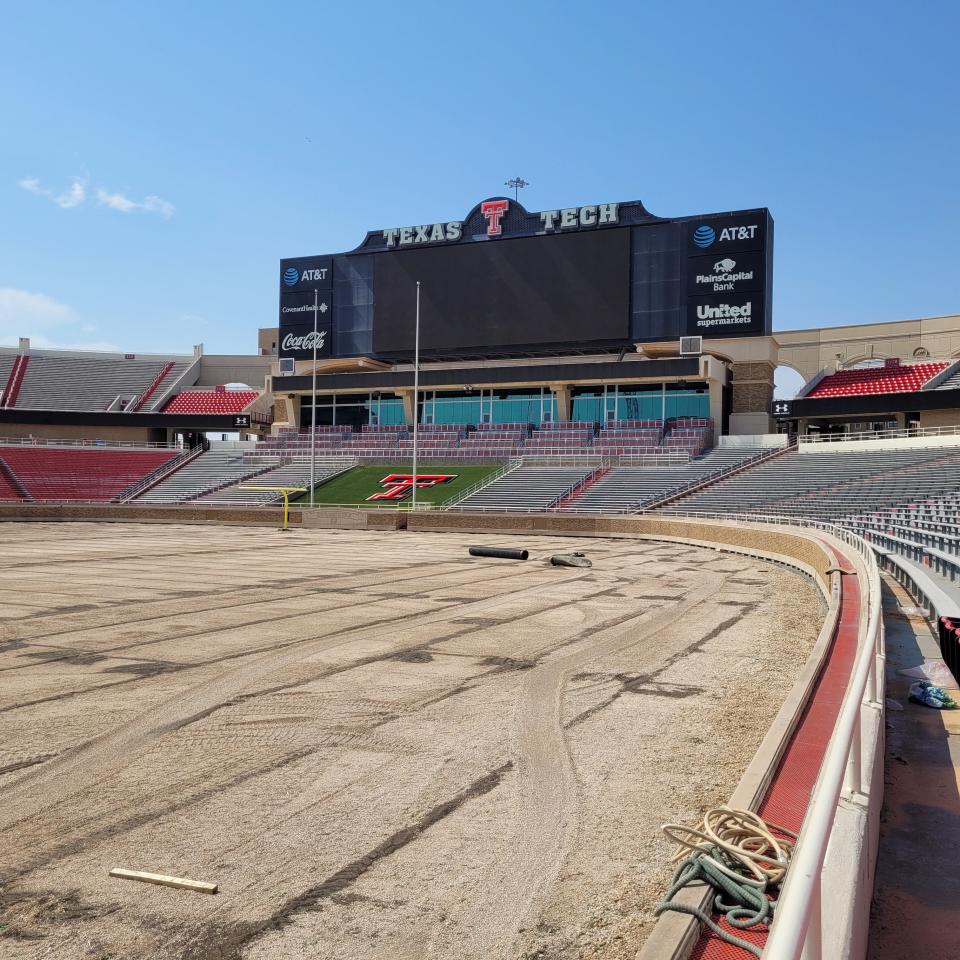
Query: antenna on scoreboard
[[518, 183]]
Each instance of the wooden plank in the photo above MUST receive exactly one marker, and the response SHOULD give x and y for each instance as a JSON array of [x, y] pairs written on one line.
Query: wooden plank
[[197, 886]]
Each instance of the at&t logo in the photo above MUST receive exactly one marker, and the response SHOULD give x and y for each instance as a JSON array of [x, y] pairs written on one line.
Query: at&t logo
[[290, 276], [705, 236]]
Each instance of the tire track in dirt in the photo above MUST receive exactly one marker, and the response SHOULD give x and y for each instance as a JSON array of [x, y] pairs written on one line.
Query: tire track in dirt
[[64, 776], [546, 821], [72, 652]]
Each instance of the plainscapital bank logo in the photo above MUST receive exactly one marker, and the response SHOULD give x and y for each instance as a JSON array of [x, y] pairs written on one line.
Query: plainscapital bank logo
[[704, 236], [723, 278], [290, 276]]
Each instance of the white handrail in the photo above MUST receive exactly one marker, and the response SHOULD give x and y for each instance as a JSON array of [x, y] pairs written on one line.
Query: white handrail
[[900, 433], [797, 932], [85, 442]]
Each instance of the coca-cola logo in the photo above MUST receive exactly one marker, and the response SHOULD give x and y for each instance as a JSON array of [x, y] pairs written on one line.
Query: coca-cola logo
[[306, 342]]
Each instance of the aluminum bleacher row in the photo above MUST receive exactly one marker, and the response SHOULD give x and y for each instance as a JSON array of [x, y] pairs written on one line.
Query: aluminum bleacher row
[[830, 485], [32, 382], [526, 489], [625, 488], [74, 383], [682, 436]]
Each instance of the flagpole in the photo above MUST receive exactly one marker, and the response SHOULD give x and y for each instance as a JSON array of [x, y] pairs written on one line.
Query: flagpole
[[416, 391], [313, 414]]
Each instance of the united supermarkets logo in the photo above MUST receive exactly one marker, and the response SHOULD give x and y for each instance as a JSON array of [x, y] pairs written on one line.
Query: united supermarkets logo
[[290, 276]]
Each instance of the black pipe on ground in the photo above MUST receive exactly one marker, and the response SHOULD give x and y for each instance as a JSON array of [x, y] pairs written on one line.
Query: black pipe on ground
[[502, 553]]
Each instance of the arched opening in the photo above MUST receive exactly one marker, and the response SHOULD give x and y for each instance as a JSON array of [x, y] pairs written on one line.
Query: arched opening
[[786, 382]]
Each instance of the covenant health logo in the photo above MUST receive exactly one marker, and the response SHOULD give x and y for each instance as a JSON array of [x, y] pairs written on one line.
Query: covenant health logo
[[290, 276], [704, 236]]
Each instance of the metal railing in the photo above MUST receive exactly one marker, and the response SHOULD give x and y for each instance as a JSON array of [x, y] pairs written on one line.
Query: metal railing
[[797, 933], [711, 478], [158, 474], [898, 434], [508, 467], [111, 444]]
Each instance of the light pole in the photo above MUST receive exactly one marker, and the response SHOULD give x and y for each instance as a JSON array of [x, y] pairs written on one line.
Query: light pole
[[518, 183], [416, 390], [313, 404]]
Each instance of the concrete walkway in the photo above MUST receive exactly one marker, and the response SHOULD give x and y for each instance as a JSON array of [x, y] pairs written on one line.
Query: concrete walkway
[[916, 906]]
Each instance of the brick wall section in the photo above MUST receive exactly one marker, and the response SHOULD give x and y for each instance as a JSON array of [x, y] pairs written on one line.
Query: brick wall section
[[261, 517], [752, 387]]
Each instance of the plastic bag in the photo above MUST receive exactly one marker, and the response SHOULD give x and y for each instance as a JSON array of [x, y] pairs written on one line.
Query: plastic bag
[[923, 691]]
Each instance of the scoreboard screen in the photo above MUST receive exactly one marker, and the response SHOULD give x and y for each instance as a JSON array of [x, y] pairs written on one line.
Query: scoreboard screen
[[510, 293]]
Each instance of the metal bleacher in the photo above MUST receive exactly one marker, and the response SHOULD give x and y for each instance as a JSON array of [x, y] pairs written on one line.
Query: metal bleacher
[[296, 474], [85, 383], [626, 488], [526, 488], [830, 485], [211, 471]]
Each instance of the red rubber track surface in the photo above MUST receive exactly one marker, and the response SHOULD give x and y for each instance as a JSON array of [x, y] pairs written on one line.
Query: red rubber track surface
[[789, 792]]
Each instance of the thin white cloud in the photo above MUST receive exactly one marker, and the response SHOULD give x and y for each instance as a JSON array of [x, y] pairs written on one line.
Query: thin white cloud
[[76, 194], [123, 204], [21, 306], [47, 322], [73, 196]]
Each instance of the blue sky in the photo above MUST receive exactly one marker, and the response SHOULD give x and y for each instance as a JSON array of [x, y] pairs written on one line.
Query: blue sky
[[157, 161]]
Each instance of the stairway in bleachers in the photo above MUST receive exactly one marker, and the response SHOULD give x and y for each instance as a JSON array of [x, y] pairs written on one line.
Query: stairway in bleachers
[[526, 488], [289, 475], [211, 471], [627, 488]]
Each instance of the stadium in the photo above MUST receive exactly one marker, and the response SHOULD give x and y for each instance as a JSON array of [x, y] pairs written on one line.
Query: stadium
[[385, 733]]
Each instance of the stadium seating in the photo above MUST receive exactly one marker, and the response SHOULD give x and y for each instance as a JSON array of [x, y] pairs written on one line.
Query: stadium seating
[[72, 473], [902, 378], [7, 364], [210, 471], [626, 488], [526, 488], [85, 383], [952, 380], [10, 488], [832, 484], [295, 474], [211, 401]]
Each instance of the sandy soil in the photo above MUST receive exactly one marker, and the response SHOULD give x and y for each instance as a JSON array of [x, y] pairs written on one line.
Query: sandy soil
[[377, 746]]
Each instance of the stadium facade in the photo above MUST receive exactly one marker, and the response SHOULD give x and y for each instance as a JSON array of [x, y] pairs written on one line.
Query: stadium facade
[[567, 314]]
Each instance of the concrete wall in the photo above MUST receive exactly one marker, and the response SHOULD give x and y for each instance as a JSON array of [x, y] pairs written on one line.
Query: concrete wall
[[892, 443], [811, 350], [226, 368], [55, 431]]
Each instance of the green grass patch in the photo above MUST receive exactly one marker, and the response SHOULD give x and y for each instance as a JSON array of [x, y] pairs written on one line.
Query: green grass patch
[[358, 483]]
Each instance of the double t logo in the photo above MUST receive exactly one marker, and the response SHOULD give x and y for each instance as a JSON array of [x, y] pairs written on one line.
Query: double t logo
[[494, 210], [399, 485]]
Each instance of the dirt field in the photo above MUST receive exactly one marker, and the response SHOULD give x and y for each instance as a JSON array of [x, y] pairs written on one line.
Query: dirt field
[[378, 747]]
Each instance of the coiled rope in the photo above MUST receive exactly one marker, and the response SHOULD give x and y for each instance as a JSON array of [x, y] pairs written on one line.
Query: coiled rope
[[740, 856]]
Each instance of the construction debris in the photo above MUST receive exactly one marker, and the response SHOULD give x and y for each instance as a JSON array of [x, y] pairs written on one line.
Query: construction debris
[[197, 886]]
